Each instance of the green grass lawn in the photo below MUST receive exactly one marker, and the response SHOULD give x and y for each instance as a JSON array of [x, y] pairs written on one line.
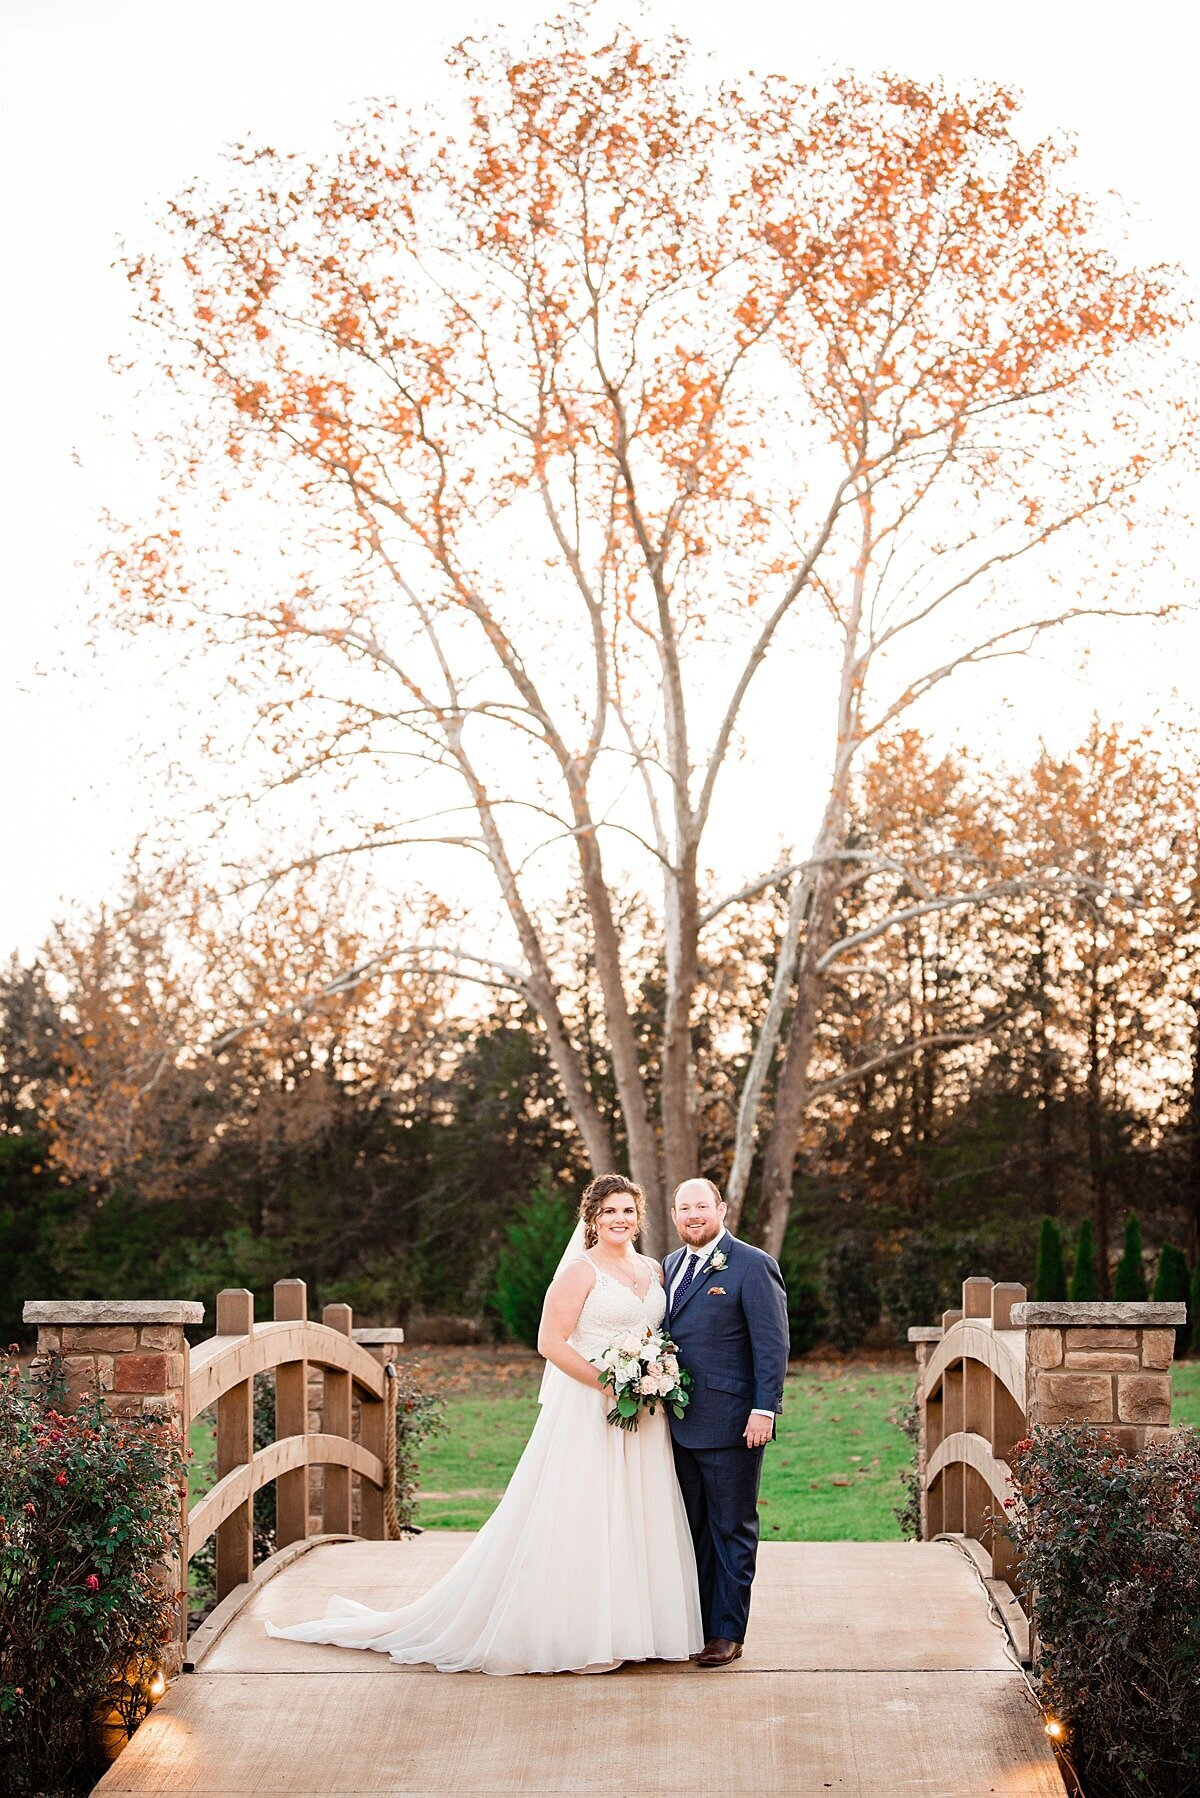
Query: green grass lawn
[[202, 1438], [1185, 1394], [833, 1474]]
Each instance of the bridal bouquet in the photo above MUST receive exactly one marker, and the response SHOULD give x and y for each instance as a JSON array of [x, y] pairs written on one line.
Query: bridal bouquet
[[643, 1372]]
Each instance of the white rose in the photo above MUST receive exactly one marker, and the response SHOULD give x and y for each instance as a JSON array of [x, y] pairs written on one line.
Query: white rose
[[632, 1345], [654, 1368]]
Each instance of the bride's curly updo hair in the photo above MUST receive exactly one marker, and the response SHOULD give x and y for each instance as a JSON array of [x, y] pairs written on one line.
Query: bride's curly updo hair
[[590, 1205]]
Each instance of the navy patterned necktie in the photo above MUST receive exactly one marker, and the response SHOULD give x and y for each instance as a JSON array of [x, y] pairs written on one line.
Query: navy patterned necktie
[[689, 1275]]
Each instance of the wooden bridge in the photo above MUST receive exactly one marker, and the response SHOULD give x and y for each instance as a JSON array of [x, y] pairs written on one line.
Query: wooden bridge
[[882, 1668]]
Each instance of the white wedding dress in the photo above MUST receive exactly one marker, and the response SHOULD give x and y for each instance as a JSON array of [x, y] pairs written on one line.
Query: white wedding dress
[[586, 1562]]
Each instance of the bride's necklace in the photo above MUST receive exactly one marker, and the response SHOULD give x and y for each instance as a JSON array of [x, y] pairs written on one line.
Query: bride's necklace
[[632, 1285]]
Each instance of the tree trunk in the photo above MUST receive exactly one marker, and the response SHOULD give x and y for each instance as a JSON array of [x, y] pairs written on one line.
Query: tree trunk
[[627, 1069], [680, 1140], [791, 1092], [540, 985]]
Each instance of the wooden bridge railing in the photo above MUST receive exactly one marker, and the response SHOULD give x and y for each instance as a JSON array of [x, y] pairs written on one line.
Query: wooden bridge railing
[[332, 1458], [991, 1372]]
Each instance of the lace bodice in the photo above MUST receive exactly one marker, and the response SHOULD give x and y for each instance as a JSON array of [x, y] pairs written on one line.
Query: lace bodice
[[611, 1309]]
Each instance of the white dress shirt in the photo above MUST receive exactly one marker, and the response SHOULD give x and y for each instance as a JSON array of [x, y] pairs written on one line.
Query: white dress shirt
[[701, 1257]]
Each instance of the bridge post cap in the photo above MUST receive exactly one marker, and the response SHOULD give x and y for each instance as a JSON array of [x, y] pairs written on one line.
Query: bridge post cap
[[1150, 1316], [925, 1333], [1006, 1296], [377, 1338], [112, 1311], [977, 1296], [951, 1317], [290, 1301], [235, 1311]]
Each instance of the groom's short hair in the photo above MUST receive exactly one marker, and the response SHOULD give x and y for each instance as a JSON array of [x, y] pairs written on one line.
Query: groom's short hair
[[698, 1180]]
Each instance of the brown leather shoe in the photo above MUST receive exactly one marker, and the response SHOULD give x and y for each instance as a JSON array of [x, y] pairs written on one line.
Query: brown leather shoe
[[718, 1653]]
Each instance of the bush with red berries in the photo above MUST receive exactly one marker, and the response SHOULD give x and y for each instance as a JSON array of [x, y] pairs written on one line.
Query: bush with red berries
[[89, 1509]]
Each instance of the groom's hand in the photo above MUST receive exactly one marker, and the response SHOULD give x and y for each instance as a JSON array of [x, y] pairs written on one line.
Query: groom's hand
[[758, 1430]]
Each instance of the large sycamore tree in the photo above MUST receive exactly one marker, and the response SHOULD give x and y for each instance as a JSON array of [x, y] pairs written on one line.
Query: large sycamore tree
[[570, 406]]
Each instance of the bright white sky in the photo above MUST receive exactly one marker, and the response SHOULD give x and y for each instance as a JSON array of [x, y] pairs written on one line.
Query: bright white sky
[[105, 108]]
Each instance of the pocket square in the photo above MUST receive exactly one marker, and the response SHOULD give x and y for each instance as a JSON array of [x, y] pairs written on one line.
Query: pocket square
[[715, 1292]]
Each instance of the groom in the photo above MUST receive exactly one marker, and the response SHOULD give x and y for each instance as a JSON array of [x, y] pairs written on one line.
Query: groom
[[727, 1313]]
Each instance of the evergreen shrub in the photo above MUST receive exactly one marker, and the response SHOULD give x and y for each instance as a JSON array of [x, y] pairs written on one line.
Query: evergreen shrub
[[1172, 1285], [1110, 1562], [534, 1242], [1051, 1280], [1084, 1285], [1130, 1283]]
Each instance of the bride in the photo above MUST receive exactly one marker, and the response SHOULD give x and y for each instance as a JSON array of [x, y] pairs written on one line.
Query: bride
[[588, 1560]]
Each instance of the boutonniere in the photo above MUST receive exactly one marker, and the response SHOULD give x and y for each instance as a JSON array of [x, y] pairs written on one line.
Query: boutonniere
[[719, 1262], [715, 1292]]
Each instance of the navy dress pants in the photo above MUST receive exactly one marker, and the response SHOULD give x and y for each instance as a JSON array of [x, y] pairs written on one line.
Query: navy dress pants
[[720, 1495]]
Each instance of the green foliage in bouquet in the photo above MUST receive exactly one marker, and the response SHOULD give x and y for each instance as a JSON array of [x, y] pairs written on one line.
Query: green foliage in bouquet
[[635, 1376]]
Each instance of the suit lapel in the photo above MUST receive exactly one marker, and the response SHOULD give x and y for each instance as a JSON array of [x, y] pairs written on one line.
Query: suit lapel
[[702, 1276]]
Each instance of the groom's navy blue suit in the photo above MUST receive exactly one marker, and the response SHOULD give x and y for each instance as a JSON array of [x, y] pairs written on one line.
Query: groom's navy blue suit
[[731, 1329]]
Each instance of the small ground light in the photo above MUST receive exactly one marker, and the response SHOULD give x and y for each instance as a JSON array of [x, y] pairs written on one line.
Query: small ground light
[[158, 1684], [1054, 1729]]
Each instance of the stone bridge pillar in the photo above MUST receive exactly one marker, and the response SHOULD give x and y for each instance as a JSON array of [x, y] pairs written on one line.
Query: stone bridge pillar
[[1105, 1365]]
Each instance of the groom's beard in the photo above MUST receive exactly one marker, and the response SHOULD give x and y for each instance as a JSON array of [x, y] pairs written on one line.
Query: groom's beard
[[687, 1234]]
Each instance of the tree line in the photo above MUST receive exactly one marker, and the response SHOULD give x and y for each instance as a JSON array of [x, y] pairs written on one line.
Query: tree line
[[192, 1098]]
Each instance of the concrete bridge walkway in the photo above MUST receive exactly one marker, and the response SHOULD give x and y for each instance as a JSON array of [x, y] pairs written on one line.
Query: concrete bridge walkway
[[872, 1668]]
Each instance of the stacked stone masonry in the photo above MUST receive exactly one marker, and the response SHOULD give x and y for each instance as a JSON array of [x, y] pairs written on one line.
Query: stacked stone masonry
[[1116, 1379]]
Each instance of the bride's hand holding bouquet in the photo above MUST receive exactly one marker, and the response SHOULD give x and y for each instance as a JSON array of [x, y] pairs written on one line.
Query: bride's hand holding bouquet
[[642, 1371]]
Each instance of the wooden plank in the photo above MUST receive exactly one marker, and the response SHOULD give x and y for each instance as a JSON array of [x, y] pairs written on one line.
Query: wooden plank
[[966, 1449], [222, 1359], [223, 1614], [647, 1731], [291, 1418], [336, 1418], [370, 1497], [235, 1448], [1002, 1351], [240, 1483], [870, 1668], [1015, 1621], [884, 1606]]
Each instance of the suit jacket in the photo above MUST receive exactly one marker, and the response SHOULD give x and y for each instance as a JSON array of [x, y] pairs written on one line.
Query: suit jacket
[[731, 1330]]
